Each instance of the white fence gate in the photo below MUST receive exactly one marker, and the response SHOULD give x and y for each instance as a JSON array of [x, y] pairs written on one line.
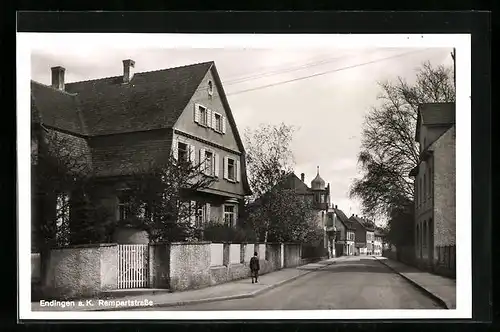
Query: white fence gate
[[133, 266]]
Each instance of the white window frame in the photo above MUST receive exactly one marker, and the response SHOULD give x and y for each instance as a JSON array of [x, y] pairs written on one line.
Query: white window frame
[[214, 122], [198, 115], [178, 150], [209, 171], [122, 205], [237, 169], [233, 213]]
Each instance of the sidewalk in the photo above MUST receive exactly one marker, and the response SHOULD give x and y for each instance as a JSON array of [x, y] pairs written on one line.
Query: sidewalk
[[440, 288], [238, 289]]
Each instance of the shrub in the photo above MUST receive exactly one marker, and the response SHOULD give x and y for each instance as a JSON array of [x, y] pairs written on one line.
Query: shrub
[[217, 232]]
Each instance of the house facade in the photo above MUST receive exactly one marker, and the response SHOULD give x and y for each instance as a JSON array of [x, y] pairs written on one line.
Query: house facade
[[319, 195], [346, 233], [378, 244], [435, 187], [125, 123], [365, 235]]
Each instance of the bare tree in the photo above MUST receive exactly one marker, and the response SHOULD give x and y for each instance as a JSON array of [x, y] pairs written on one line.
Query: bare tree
[[160, 198], [388, 149]]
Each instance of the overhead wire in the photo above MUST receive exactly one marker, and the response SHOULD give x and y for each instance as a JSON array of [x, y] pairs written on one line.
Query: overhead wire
[[324, 73]]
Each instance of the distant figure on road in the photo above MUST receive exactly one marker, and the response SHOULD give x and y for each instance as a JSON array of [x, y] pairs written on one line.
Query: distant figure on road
[[254, 267]]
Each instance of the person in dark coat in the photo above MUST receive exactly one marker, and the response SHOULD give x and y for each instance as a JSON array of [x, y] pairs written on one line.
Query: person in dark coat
[[254, 267]]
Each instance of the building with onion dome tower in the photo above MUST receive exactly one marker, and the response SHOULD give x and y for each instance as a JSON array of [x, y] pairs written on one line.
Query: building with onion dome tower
[[319, 195]]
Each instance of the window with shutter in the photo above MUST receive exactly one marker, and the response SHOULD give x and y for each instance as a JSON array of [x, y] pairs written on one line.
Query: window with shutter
[[203, 115], [238, 171], [192, 155], [175, 149], [218, 122], [224, 167], [208, 157], [231, 169], [196, 113], [223, 124], [182, 151], [202, 160], [216, 165], [209, 118], [208, 213]]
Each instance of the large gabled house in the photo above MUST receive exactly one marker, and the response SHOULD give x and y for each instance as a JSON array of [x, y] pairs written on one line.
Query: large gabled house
[[435, 225], [123, 123]]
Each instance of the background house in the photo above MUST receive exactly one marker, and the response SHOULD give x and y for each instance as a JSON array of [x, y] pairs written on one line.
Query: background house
[[319, 195], [346, 234], [378, 244], [124, 123], [365, 234], [435, 187]]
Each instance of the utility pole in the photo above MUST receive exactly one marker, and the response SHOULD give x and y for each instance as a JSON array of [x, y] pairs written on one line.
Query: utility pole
[[453, 56]]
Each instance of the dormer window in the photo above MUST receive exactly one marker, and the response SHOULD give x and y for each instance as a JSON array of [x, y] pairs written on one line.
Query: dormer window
[[210, 88]]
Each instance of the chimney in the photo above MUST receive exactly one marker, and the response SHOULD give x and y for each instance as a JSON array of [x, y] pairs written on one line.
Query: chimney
[[302, 177], [128, 70], [336, 207], [58, 77]]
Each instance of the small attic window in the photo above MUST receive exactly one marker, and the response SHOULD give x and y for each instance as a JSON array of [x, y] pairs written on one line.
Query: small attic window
[[210, 88]]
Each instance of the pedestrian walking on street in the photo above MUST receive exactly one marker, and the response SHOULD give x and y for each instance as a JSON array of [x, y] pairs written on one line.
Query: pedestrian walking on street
[[254, 267]]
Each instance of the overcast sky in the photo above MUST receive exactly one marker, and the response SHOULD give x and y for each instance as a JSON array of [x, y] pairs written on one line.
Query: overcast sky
[[327, 108]]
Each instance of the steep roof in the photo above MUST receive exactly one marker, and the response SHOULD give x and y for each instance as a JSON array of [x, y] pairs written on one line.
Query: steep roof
[[151, 100], [293, 182], [435, 114], [343, 219], [56, 108], [366, 224]]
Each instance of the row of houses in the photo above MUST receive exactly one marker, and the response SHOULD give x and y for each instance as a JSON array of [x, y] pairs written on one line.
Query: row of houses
[[435, 193], [356, 235]]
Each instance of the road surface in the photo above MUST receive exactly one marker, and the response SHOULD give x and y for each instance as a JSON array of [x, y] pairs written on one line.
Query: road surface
[[352, 283]]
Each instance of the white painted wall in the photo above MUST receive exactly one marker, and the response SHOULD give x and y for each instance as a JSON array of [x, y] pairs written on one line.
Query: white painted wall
[[249, 250], [234, 253], [262, 251], [216, 254]]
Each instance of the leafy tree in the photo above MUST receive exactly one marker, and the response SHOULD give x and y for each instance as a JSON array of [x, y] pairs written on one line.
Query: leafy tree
[[388, 150], [275, 212], [61, 173], [269, 156], [159, 199]]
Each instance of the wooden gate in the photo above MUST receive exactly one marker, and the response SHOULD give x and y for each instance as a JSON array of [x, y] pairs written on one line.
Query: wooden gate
[[133, 266]]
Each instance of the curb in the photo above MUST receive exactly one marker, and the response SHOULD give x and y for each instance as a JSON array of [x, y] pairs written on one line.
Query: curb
[[417, 285], [222, 298]]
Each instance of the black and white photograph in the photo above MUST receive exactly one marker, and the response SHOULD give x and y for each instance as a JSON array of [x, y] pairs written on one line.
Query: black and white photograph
[[184, 176]]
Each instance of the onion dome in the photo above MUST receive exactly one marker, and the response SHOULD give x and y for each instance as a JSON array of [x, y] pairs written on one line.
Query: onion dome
[[318, 183]]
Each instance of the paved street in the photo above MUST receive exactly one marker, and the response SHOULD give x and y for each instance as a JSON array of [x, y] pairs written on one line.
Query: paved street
[[351, 283]]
